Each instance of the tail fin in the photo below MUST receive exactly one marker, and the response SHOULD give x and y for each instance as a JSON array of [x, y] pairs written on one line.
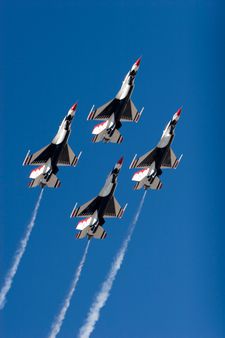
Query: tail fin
[[52, 182], [156, 184], [116, 137]]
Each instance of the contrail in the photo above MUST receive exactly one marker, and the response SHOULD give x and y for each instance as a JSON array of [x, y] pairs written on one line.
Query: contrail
[[19, 254], [101, 298], [56, 326]]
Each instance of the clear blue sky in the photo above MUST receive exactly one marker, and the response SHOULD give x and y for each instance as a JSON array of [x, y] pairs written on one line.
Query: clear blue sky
[[54, 53]]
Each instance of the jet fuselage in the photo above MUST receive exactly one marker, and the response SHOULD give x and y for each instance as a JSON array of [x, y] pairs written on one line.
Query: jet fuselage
[[56, 153], [103, 198], [122, 98], [162, 148], [104, 205], [59, 141]]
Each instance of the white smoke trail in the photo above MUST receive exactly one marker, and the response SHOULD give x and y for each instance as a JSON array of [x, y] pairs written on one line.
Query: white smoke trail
[[103, 295], [56, 326], [19, 254]]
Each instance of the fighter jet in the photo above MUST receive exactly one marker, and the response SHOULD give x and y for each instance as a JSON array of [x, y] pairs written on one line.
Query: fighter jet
[[103, 206], [162, 156], [57, 153], [117, 110]]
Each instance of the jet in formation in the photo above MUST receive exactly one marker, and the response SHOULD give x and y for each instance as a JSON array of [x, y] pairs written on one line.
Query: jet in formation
[[162, 156], [103, 206], [57, 153], [120, 109]]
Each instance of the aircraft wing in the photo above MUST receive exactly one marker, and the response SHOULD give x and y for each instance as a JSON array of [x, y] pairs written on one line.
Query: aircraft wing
[[86, 209], [113, 209], [67, 157], [102, 113], [144, 161], [170, 161], [130, 113], [40, 157]]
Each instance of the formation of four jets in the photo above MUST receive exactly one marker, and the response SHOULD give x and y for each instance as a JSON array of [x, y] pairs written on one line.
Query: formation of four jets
[[113, 113]]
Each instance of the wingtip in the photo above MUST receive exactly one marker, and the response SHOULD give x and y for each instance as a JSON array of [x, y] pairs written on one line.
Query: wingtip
[[72, 212], [132, 162]]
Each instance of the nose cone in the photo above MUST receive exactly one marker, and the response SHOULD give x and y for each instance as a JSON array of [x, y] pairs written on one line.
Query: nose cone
[[73, 109], [137, 63], [120, 162], [176, 116]]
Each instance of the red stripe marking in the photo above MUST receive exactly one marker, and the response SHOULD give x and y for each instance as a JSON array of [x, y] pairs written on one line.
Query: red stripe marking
[[100, 124]]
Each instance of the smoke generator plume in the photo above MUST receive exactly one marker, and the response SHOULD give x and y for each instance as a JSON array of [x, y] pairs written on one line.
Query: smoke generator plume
[[56, 326], [101, 298], [19, 254]]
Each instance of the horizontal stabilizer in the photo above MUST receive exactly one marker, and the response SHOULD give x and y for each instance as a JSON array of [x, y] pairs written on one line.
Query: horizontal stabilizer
[[155, 184], [82, 234], [138, 186], [34, 183], [99, 233], [98, 138], [116, 137], [52, 182]]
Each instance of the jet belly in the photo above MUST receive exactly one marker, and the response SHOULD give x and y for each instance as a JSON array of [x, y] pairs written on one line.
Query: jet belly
[[124, 92], [108, 188], [102, 206], [120, 106], [61, 136], [160, 154], [59, 141]]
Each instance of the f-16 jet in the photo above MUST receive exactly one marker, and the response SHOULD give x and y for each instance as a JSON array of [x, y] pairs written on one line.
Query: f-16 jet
[[103, 206], [120, 109], [162, 156], [57, 153]]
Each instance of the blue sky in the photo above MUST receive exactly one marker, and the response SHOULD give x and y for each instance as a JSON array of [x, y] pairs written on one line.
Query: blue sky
[[54, 53]]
